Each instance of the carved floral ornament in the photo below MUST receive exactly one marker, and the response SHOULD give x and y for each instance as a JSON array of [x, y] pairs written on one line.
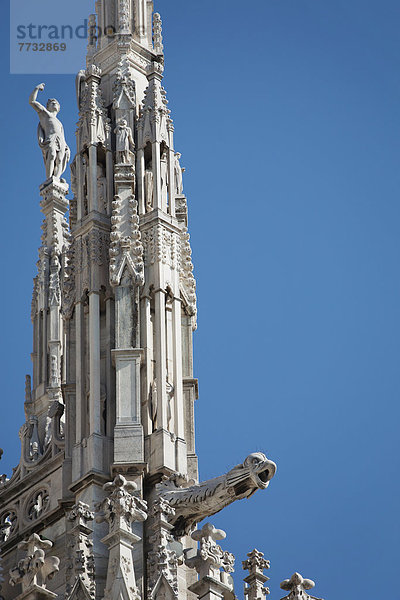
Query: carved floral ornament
[[121, 507]]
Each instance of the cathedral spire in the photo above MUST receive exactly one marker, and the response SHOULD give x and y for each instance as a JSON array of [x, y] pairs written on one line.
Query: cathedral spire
[[110, 406]]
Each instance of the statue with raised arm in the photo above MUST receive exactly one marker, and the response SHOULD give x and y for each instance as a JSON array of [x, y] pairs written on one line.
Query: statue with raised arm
[[56, 153]]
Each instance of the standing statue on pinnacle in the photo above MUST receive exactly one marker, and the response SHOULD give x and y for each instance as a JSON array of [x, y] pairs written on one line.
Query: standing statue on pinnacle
[[56, 153], [124, 142]]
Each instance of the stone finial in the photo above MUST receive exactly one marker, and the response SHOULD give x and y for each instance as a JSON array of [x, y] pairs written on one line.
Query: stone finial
[[255, 580], [121, 507], [297, 587], [35, 569], [80, 514], [211, 558], [208, 561]]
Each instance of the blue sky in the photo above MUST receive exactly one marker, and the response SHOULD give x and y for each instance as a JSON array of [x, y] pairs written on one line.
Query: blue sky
[[287, 116]]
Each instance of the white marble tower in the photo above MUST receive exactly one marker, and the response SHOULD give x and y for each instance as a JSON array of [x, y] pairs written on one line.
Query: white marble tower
[[110, 408]]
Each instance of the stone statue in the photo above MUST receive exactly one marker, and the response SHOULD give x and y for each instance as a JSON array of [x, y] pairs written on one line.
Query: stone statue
[[101, 188], [124, 142], [178, 170], [149, 187], [164, 179], [196, 502], [56, 153]]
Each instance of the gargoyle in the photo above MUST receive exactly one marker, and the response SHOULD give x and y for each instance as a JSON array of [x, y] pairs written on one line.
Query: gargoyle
[[196, 502]]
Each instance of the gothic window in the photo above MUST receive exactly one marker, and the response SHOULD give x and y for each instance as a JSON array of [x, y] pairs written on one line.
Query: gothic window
[[8, 524], [37, 504]]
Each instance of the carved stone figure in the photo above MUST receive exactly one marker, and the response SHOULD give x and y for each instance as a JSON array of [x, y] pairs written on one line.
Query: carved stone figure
[[55, 150], [149, 188], [164, 179], [124, 142], [196, 502], [101, 188], [178, 170]]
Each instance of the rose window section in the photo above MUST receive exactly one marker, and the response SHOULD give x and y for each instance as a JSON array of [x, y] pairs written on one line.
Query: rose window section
[[38, 504]]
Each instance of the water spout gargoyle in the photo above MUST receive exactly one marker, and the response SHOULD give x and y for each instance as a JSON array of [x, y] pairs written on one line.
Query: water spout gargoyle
[[192, 503]]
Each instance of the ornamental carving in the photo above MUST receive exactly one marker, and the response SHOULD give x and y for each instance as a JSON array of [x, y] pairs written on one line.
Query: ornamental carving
[[210, 558], [297, 587], [124, 87], [162, 560], [188, 282], [121, 507], [36, 568], [126, 249], [94, 123], [80, 567], [161, 245], [192, 503], [254, 582], [157, 34]]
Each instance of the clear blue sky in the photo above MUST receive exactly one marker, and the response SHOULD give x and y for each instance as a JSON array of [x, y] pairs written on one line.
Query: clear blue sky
[[287, 116]]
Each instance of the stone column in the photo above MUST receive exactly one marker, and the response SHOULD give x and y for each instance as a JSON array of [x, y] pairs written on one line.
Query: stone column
[[128, 432], [92, 178], [156, 162], [140, 181], [54, 205], [181, 465], [127, 276], [94, 362], [109, 176]]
